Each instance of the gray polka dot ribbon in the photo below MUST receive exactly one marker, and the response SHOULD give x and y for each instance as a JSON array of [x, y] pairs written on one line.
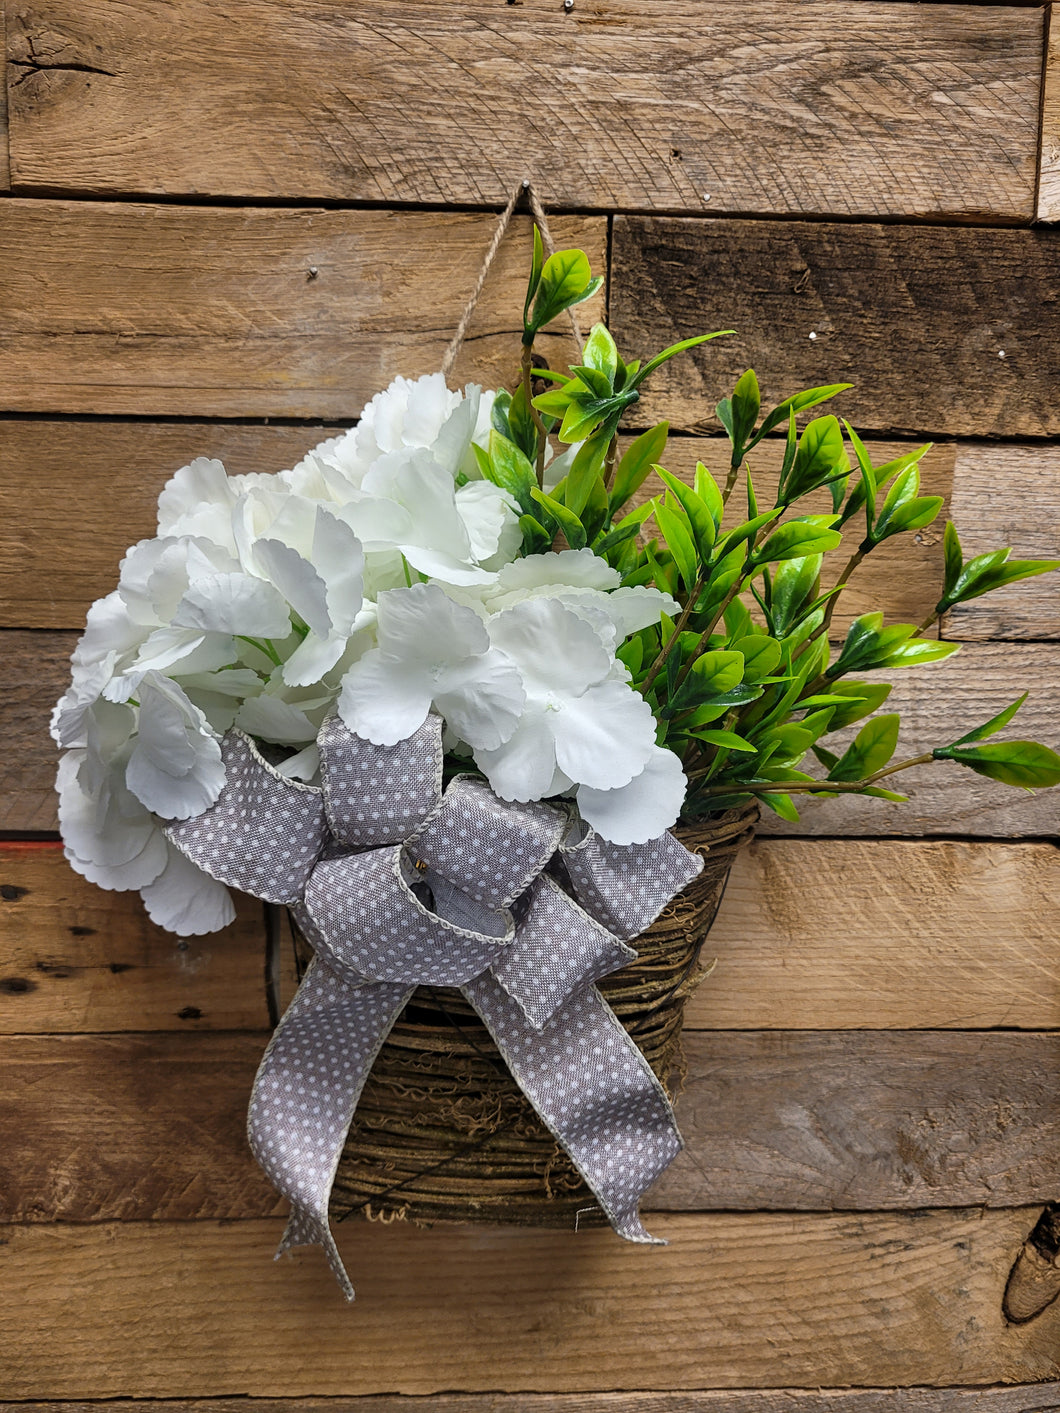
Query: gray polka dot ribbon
[[398, 884]]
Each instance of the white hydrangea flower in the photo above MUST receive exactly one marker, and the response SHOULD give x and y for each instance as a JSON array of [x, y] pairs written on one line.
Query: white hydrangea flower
[[185, 900], [432, 652], [580, 725]]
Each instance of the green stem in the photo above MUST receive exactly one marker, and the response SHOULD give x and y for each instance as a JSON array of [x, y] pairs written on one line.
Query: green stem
[[526, 370], [801, 787], [263, 645], [844, 579], [609, 462], [679, 628]]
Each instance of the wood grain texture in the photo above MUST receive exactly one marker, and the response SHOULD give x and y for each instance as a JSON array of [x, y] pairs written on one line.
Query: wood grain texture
[[859, 110], [152, 1127], [1034, 1398], [901, 935], [965, 937], [1048, 208], [195, 1308], [214, 311], [938, 705], [5, 162], [34, 672], [76, 958], [914, 316], [95, 486], [1009, 496]]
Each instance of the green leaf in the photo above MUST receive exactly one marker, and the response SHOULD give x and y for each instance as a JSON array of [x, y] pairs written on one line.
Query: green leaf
[[995, 724], [566, 519], [709, 493], [724, 412], [782, 805], [798, 402], [536, 263], [992, 571], [914, 516], [865, 493], [1026, 764], [761, 655], [719, 671], [746, 403], [794, 585], [636, 463], [667, 353], [821, 456], [699, 516], [598, 383], [871, 749], [674, 525], [584, 472], [510, 469], [601, 353], [954, 557], [499, 414], [863, 698], [728, 739], [536, 539], [797, 538], [521, 425], [565, 281]]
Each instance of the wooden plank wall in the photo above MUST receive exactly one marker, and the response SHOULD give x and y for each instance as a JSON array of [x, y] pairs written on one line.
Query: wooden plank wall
[[227, 222]]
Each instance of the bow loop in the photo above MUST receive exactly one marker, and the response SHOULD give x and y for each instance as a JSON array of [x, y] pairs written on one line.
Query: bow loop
[[558, 949], [490, 849], [377, 795], [626, 886], [264, 833], [365, 908]]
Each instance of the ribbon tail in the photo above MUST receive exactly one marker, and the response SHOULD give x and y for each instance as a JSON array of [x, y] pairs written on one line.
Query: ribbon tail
[[593, 1089], [306, 1091]]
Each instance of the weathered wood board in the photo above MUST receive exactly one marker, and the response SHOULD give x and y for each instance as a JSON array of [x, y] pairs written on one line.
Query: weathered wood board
[[965, 936], [933, 934], [76, 958], [913, 1400], [895, 110], [916, 317], [152, 1127], [198, 1308], [217, 311], [1049, 176]]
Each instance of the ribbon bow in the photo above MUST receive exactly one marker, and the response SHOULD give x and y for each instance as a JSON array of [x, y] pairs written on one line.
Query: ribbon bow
[[398, 885]]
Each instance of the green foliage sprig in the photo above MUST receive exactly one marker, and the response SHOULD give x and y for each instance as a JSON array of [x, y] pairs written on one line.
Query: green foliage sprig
[[744, 682]]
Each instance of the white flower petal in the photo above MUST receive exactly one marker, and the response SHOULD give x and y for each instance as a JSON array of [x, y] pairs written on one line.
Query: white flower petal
[[303, 765], [383, 700], [297, 581], [482, 699], [110, 838], [524, 767], [578, 569], [187, 901], [234, 604], [175, 768], [641, 810], [557, 652], [339, 560], [313, 659], [422, 624], [198, 500], [605, 736], [485, 510]]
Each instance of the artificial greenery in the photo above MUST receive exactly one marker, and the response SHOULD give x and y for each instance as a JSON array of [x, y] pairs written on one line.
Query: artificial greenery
[[744, 682]]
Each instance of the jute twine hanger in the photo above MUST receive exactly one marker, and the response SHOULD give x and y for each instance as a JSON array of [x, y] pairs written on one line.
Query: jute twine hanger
[[487, 260]]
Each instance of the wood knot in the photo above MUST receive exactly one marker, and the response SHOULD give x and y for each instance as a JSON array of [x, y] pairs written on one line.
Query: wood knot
[[1034, 1281]]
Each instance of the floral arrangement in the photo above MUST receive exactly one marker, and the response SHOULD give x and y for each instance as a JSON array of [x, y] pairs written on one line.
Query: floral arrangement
[[440, 690], [472, 553]]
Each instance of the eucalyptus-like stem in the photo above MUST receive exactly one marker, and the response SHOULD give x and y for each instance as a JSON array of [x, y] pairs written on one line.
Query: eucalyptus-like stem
[[730, 483], [679, 627], [609, 462], [929, 622], [526, 369], [844, 579], [803, 787]]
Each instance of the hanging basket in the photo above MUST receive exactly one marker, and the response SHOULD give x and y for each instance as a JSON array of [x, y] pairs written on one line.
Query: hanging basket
[[442, 1132]]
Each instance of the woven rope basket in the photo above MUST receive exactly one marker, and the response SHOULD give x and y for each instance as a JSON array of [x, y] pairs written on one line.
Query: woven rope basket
[[442, 1132]]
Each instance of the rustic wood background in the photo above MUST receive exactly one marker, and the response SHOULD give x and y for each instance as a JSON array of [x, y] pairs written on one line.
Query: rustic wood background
[[227, 222]]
